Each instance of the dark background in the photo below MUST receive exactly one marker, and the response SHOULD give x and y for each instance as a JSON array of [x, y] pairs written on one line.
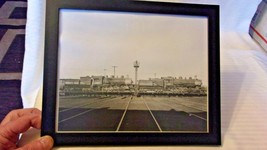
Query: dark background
[[12, 63]]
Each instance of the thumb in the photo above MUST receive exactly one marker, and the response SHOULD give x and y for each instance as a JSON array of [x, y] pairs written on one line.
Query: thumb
[[43, 143]]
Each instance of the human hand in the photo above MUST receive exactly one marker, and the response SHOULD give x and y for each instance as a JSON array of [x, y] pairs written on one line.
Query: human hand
[[17, 122]]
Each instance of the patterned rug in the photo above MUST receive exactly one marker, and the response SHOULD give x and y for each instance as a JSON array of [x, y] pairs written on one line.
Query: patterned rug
[[12, 46]]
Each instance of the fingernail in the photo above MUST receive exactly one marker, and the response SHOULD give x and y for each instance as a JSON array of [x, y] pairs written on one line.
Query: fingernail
[[46, 140]]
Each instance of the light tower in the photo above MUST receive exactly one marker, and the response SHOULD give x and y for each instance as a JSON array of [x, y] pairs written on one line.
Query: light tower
[[136, 66]]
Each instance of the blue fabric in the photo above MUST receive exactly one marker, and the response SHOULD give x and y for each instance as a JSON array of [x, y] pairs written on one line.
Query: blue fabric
[[12, 48]]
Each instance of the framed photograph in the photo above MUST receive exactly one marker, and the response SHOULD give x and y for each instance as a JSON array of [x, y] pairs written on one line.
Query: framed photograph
[[121, 72]]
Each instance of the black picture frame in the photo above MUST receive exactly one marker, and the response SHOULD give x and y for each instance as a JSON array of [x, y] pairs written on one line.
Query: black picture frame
[[52, 60]]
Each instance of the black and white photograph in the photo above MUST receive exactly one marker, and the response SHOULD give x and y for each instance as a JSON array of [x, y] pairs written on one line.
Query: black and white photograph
[[132, 72]]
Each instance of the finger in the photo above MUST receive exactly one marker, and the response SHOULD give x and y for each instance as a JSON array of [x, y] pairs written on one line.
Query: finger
[[43, 143], [15, 114], [12, 129]]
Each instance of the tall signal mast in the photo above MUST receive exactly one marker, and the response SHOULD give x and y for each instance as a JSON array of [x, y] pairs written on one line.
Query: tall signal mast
[[136, 66]]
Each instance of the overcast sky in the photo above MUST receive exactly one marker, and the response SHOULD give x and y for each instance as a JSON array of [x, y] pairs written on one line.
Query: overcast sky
[[165, 45]]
